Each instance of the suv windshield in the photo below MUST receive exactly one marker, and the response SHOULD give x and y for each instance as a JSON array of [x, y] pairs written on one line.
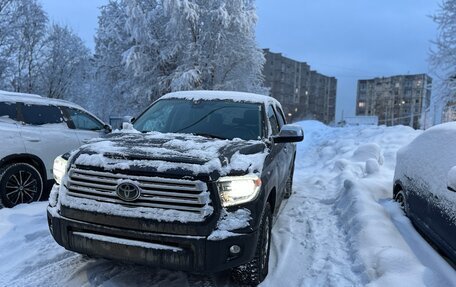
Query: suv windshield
[[210, 118]]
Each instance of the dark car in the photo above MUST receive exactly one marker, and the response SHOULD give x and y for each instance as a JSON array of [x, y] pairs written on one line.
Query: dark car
[[192, 185], [425, 185]]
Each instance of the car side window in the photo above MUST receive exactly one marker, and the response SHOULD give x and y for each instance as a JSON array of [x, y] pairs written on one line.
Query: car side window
[[84, 121], [280, 117], [273, 120], [41, 114], [8, 110]]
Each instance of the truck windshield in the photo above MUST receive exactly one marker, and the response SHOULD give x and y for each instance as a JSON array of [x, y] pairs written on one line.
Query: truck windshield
[[209, 118]]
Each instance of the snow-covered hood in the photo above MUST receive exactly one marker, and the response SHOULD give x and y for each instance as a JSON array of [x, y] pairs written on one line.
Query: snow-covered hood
[[181, 154]]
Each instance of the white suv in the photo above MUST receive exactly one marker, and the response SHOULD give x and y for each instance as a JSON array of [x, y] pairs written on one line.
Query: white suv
[[33, 131]]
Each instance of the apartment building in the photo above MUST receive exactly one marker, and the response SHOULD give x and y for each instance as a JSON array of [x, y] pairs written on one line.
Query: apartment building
[[396, 100], [303, 92]]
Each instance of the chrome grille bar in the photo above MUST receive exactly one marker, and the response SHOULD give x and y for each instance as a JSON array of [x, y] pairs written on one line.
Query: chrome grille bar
[[156, 192]]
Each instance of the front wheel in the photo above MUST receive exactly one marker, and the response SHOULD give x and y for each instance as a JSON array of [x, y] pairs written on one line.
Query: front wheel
[[255, 271], [20, 183]]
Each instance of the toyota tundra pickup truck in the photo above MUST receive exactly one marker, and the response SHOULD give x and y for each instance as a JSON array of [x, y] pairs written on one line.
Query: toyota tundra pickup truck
[[192, 184]]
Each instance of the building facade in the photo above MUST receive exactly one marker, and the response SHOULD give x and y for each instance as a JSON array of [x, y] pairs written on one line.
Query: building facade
[[396, 100], [304, 93]]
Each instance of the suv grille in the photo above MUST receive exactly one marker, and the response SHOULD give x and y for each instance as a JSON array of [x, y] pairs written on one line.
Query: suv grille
[[156, 192]]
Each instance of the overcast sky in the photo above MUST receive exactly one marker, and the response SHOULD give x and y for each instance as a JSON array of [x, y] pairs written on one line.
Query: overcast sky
[[348, 39]]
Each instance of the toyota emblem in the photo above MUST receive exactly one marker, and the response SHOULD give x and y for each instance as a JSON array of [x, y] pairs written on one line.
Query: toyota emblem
[[128, 191]]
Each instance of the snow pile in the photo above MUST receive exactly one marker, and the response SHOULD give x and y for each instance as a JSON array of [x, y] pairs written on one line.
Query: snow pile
[[364, 167]]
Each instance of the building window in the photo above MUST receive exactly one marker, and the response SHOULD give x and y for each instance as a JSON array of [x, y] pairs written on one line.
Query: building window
[[361, 104]]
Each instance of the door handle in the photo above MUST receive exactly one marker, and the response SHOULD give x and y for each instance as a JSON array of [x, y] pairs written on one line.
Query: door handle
[[33, 140]]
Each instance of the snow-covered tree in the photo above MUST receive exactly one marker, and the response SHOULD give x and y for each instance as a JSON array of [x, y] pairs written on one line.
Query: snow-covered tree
[[7, 25], [145, 48], [443, 57], [194, 44], [29, 28], [66, 65], [113, 82]]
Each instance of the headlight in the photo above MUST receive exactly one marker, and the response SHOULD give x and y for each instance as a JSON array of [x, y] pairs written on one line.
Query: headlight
[[59, 168], [235, 190]]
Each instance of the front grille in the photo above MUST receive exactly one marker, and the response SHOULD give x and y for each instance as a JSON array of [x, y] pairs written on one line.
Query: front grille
[[156, 192]]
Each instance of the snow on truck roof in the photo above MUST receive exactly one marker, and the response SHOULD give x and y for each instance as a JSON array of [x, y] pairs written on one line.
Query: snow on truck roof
[[33, 99], [222, 95]]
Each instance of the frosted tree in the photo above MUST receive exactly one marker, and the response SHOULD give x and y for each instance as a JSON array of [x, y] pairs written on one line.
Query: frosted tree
[[29, 34], [66, 65], [7, 24], [113, 82], [217, 44], [443, 57], [194, 44], [146, 48]]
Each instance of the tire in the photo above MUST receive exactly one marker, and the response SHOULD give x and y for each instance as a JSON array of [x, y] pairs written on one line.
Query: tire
[[20, 183], [400, 198], [254, 272], [289, 184]]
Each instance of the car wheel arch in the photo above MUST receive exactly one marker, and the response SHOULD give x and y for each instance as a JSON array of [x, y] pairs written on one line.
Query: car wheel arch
[[397, 187], [33, 160], [272, 200]]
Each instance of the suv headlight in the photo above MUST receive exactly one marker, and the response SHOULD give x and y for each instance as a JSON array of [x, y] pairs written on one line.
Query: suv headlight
[[59, 168], [235, 190]]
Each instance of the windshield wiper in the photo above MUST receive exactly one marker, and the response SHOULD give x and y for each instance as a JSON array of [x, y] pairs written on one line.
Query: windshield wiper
[[207, 135]]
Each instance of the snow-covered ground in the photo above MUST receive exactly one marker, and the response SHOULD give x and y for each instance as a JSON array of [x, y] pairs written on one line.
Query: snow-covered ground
[[339, 228]]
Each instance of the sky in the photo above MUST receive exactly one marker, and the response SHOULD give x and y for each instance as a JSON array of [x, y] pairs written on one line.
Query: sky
[[347, 39]]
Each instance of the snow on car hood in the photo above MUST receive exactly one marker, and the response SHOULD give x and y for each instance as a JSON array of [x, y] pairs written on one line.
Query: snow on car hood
[[173, 153]]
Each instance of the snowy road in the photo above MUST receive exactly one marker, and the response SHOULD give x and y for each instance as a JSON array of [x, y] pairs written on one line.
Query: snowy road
[[339, 228]]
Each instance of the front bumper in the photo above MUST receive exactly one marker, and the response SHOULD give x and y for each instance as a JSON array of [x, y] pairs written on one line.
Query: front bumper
[[179, 252]]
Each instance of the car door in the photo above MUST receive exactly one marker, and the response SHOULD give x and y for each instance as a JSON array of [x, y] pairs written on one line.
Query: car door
[[12, 142], [442, 203], [289, 148], [277, 151], [85, 125], [45, 133]]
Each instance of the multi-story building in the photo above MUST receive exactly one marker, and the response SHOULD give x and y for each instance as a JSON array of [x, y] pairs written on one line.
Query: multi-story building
[[396, 100], [304, 93]]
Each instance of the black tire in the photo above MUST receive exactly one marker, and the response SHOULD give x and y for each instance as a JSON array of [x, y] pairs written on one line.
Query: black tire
[[254, 272], [289, 184], [20, 183], [400, 198]]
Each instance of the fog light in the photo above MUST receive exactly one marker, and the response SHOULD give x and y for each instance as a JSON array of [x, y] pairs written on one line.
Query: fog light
[[235, 249]]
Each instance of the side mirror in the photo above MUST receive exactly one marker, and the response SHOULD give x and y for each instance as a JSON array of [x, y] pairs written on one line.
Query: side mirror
[[289, 134], [452, 179], [107, 128]]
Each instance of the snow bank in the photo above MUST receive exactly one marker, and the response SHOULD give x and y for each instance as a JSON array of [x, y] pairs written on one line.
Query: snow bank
[[361, 161]]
